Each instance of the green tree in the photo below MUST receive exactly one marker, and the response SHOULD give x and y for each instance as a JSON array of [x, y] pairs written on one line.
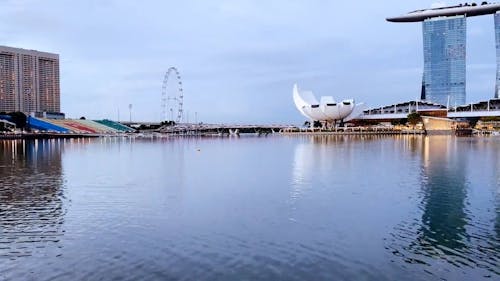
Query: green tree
[[414, 118], [168, 123], [473, 121], [19, 119], [399, 121]]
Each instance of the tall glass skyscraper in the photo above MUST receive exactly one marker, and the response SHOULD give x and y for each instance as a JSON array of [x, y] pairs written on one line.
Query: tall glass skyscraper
[[444, 60], [497, 43]]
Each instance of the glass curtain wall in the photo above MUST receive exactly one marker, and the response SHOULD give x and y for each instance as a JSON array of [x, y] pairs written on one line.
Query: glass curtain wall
[[497, 43], [444, 60]]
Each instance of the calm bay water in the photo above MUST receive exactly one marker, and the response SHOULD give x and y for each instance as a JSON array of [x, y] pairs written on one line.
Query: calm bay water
[[275, 208]]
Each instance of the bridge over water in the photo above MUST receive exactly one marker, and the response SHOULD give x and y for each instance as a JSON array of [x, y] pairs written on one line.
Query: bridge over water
[[222, 129]]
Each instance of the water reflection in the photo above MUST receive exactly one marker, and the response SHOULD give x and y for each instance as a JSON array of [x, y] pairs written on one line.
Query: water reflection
[[445, 231], [319, 157], [312, 208], [315, 157], [31, 196], [497, 221], [497, 205], [444, 193]]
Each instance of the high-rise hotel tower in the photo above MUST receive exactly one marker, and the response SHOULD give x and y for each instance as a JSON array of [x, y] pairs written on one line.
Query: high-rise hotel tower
[[444, 34], [497, 42], [444, 60], [29, 81]]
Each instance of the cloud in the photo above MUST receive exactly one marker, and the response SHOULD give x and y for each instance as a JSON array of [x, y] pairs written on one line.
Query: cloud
[[238, 59]]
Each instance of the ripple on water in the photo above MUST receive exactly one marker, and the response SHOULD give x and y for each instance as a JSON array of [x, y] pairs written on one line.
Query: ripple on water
[[296, 228], [231, 257], [31, 204], [439, 249]]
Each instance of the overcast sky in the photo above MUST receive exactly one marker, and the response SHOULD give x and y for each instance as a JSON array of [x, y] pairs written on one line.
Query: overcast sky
[[238, 59]]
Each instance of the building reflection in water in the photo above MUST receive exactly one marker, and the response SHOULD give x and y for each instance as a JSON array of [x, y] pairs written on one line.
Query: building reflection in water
[[443, 231], [444, 197], [332, 157], [317, 153], [31, 196], [497, 198], [312, 157]]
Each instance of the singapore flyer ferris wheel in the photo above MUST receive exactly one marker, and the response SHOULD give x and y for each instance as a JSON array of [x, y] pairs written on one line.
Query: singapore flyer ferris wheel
[[172, 98]]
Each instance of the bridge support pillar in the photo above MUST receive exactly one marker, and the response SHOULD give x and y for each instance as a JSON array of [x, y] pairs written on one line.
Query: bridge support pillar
[[234, 132]]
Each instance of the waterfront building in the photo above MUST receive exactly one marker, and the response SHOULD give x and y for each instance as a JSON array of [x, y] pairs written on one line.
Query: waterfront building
[[496, 18], [29, 81], [444, 77], [326, 109], [444, 45], [444, 60], [488, 108]]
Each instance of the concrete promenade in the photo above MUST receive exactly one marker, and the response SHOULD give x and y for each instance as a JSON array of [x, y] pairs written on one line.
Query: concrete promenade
[[32, 136], [222, 129]]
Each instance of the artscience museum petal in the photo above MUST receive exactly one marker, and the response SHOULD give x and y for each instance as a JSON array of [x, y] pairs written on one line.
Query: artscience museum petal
[[327, 109]]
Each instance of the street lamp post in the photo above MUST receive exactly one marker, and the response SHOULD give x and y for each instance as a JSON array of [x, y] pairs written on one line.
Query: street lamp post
[[130, 112]]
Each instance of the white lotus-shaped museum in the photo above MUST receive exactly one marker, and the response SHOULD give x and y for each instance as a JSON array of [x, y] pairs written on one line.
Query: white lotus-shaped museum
[[327, 109]]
